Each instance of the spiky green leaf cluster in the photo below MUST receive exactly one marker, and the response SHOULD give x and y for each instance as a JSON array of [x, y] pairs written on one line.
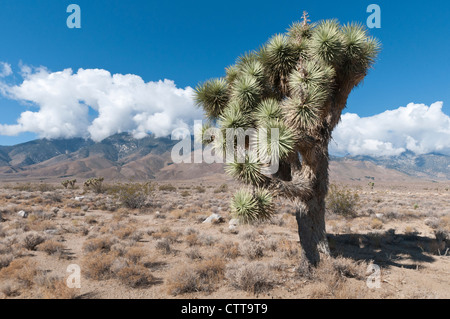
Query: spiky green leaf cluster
[[249, 207]]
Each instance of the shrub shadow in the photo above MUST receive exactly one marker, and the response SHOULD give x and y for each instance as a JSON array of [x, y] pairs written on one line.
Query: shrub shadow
[[384, 249]]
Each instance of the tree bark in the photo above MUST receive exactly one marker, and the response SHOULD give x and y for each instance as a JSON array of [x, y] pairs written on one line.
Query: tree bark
[[310, 214]]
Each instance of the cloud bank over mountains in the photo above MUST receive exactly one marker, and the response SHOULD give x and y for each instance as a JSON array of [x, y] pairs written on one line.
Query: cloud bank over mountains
[[66, 102], [93, 103], [417, 127]]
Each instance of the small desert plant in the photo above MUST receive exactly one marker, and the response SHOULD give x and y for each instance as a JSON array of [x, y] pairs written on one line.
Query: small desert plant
[[254, 277], [97, 265], [200, 189], [164, 246], [5, 260], [221, 189], [205, 277], [23, 270], [98, 244], [32, 240], [342, 201], [133, 195], [167, 188], [51, 247], [185, 194], [253, 250], [376, 223], [135, 276], [230, 250]]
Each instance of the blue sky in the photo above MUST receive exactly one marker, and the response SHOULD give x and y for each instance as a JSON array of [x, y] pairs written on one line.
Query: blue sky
[[191, 41]]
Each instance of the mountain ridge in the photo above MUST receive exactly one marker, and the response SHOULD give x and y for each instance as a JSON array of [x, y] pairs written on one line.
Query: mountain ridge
[[123, 157]]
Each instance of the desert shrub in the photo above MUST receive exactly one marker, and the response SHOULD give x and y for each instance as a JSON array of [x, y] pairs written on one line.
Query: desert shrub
[[185, 194], [167, 188], [135, 276], [221, 189], [288, 248], [135, 254], [164, 246], [97, 265], [51, 247], [23, 270], [342, 201], [253, 250], [376, 223], [192, 239], [5, 260], [56, 288], [32, 240], [205, 277], [251, 277], [230, 250], [133, 195], [200, 189], [194, 254], [98, 244], [183, 280]]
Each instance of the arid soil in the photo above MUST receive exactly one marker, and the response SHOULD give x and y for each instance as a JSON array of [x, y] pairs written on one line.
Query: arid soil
[[164, 249]]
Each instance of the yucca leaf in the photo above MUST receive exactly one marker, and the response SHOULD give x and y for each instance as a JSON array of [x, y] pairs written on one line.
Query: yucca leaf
[[212, 96]]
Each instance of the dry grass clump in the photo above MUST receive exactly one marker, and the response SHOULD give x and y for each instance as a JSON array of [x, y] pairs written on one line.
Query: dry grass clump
[[194, 254], [31, 240], [164, 246], [167, 234], [103, 243], [230, 249], [330, 278], [135, 276], [253, 249], [22, 270], [5, 260], [135, 254], [376, 223], [97, 265], [253, 277], [51, 247], [288, 248], [56, 288], [192, 239], [204, 277]]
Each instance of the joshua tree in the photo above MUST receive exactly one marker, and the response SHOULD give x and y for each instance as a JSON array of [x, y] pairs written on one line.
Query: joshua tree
[[298, 82], [68, 183]]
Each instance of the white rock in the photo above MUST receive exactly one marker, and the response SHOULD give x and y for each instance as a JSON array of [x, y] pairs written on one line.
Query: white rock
[[233, 229], [79, 198], [214, 218], [379, 216], [234, 221], [23, 214]]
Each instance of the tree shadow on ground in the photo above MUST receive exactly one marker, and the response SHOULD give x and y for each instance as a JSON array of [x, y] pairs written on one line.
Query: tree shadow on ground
[[385, 249]]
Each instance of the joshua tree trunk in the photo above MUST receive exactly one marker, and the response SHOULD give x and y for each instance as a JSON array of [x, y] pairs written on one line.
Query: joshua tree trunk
[[310, 213]]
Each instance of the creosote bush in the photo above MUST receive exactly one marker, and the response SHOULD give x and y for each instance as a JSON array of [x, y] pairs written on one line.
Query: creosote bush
[[342, 201]]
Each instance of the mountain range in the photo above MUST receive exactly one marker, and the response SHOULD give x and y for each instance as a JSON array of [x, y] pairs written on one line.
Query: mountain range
[[122, 157]]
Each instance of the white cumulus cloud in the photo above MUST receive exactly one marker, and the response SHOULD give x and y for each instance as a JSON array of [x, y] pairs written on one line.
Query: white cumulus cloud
[[122, 103], [417, 127], [5, 69]]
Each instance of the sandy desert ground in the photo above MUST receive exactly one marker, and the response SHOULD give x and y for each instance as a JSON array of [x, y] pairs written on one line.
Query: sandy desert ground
[[165, 250]]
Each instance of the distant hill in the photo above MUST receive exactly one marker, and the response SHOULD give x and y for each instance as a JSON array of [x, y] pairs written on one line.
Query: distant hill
[[122, 157], [429, 166]]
